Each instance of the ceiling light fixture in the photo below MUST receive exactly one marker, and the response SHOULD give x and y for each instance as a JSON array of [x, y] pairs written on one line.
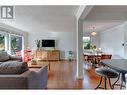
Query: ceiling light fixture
[[93, 33]]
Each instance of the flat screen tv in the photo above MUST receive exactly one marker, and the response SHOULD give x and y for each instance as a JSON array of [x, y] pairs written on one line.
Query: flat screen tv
[[48, 43]]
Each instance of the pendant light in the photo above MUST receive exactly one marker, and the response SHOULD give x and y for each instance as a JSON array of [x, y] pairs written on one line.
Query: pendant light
[[93, 33]]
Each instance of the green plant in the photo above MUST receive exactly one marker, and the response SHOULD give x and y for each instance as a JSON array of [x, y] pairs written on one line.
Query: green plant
[[38, 42], [13, 43], [93, 47], [86, 45], [34, 62], [1, 42], [1, 39]]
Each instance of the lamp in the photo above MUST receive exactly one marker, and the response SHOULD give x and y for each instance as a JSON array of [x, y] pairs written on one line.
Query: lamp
[[93, 33]]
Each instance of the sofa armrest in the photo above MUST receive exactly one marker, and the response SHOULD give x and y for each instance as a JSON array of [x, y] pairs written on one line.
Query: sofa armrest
[[27, 80], [37, 79], [13, 81]]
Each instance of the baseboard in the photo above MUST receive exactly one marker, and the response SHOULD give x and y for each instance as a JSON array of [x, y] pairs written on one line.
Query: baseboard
[[80, 77]]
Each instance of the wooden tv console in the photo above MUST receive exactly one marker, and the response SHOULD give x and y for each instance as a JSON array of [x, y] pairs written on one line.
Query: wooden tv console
[[47, 55]]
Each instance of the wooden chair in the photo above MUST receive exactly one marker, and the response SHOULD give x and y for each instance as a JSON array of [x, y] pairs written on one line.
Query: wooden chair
[[88, 58], [106, 56], [103, 57]]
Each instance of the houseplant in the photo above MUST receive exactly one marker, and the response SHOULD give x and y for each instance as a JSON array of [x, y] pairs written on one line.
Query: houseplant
[[38, 42], [33, 62]]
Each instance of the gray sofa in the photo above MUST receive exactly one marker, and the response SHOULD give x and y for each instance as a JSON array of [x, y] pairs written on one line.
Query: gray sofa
[[27, 80], [16, 75]]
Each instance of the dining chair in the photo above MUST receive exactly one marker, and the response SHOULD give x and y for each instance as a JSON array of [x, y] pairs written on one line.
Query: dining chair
[[106, 56], [90, 58]]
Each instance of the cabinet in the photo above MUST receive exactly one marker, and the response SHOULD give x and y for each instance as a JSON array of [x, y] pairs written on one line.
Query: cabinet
[[48, 55]]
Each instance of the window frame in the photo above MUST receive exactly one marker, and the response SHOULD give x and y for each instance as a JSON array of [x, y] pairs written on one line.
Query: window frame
[[11, 42], [7, 42]]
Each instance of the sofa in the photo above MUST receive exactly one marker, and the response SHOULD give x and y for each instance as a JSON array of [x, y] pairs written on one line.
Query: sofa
[[15, 74]]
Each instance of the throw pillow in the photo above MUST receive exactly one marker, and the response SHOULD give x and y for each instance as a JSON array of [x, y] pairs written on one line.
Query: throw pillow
[[16, 58], [4, 56], [13, 67]]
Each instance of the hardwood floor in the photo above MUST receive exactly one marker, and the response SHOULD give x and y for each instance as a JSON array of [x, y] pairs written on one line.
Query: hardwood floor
[[62, 75]]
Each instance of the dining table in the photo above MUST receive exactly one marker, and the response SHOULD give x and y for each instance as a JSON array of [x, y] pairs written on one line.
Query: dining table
[[119, 65], [92, 57]]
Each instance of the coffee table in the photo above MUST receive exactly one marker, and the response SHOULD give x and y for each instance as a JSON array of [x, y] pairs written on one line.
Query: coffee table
[[38, 65]]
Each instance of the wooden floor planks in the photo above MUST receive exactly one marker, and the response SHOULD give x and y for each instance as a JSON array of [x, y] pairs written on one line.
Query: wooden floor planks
[[62, 75]]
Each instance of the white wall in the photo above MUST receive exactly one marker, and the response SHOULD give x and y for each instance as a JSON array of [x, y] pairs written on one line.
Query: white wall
[[125, 40], [112, 39], [42, 22], [65, 41]]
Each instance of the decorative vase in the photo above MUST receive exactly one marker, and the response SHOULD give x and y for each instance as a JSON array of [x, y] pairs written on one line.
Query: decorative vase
[[33, 62]]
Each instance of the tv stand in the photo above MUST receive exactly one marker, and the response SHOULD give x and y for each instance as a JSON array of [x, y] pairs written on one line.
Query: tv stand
[[47, 55]]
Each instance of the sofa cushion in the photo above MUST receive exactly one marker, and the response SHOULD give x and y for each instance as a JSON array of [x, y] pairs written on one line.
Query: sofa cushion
[[1, 62], [13, 67], [4, 56], [16, 58]]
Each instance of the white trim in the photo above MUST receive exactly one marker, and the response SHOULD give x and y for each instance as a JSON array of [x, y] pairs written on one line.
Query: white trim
[[80, 70], [80, 77], [83, 11], [9, 44], [6, 42], [9, 31], [23, 47], [81, 14], [80, 11]]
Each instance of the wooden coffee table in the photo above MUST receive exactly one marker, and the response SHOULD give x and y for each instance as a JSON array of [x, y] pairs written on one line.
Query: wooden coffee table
[[38, 65]]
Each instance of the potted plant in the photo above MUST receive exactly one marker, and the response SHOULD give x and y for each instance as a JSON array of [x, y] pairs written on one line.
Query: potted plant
[[38, 44], [33, 62]]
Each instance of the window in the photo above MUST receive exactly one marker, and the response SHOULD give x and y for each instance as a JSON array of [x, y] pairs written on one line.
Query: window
[[86, 42], [2, 42], [16, 44], [11, 43]]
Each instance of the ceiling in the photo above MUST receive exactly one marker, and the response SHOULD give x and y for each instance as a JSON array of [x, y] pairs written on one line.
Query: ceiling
[[105, 17], [44, 18]]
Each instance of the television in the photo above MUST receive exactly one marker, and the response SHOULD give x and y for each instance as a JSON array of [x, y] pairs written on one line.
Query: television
[[48, 43]]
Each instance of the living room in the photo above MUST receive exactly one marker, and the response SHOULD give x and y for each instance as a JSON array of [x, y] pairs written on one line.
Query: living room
[[57, 24], [20, 36], [69, 72]]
